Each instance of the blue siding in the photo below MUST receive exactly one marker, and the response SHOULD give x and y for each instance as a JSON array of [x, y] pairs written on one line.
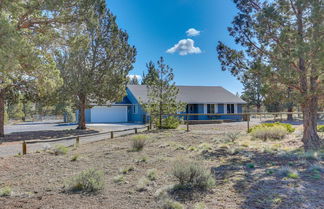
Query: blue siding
[[87, 115], [220, 108], [139, 117]]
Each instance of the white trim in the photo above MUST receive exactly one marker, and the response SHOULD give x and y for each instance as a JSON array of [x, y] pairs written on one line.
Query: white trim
[[216, 108], [225, 108], [205, 108], [235, 108]]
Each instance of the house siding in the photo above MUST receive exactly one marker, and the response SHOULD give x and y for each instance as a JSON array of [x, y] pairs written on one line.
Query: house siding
[[136, 118]]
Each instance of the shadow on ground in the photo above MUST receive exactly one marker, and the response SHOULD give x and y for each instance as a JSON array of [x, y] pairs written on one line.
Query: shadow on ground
[[256, 178]]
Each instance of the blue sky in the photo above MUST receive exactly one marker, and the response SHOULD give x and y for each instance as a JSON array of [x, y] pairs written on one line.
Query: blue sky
[[155, 26]]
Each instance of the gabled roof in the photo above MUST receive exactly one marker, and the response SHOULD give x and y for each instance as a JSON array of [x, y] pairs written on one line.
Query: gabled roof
[[193, 94]]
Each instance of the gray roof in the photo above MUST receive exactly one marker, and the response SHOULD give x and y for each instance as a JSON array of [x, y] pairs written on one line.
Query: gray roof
[[193, 94]]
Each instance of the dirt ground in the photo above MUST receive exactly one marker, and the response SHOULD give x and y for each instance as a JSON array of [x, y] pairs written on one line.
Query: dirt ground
[[244, 170]]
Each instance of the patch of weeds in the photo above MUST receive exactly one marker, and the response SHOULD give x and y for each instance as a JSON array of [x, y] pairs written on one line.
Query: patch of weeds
[[205, 146], [5, 191], [200, 205], [288, 172], [265, 133], [170, 204], [89, 181], [75, 157], [192, 148], [143, 184], [162, 193], [119, 179], [126, 170], [316, 170], [60, 149], [233, 136], [141, 160], [270, 171], [250, 165], [138, 142], [151, 174], [310, 155], [191, 174]]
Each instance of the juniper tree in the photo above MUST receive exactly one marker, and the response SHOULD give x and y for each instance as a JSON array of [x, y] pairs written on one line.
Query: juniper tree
[[289, 35], [162, 92], [97, 61]]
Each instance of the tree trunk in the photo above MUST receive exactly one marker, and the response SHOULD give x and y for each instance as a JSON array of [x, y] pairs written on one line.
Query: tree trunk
[[2, 109], [290, 116], [82, 107], [258, 107], [310, 139]]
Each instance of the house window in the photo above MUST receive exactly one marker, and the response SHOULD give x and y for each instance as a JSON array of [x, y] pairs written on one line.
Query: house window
[[210, 108], [190, 108], [230, 108], [135, 109]]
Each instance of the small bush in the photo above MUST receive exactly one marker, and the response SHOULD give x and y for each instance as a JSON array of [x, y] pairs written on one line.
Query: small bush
[[60, 149], [169, 123], [310, 155], [320, 128], [5, 191], [233, 136], [119, 179], [138, 142], [89, 181], [142, 184], [250, 165], [151, 174], [265, 133], [287, 126], [191, 174], [200, 205], [75, 157], [288, 172], [127, 170], [170, 204]]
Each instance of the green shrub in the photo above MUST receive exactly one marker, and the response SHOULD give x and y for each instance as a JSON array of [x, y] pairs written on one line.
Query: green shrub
[[200, 205], [5, 191], [288, 127], [169, 204], [69, 115], [75, 157], [288, 172], [233, 136], [60, 149], [170, 122], [138, 142], [320, 128], [191, 174], [127, 170], [264, 133], [151, 174], [89, 181]]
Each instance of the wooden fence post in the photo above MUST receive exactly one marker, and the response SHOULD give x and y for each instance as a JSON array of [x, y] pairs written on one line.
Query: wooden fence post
[[248, 123], [24, 148], [135, 130], [111, 134], [148, 128], [187, 126], [77, 141]]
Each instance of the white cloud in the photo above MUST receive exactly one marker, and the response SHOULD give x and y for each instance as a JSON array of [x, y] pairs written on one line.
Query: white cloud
[[184, 47], [192, 32], [137, 76]]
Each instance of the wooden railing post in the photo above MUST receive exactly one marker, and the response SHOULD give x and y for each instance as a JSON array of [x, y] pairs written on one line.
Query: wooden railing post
[[111, 134], [248, 123], [187, 126], [77, 141], [135, 130], [24, 148], [148, 128]]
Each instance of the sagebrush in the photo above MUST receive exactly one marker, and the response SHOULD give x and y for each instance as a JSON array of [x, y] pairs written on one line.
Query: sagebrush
[[265, 133], [89, 181], [289, 128], [138, 142], [191, 174]]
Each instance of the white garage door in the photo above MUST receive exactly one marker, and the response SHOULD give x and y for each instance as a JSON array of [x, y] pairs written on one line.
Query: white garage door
[[113, 114]]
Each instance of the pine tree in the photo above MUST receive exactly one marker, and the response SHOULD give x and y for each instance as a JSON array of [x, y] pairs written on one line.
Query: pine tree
[[96, 62], [152, 74], [289, 35], [162, 92]]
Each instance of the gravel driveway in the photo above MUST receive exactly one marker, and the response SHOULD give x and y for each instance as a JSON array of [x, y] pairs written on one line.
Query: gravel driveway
[[49, 133]]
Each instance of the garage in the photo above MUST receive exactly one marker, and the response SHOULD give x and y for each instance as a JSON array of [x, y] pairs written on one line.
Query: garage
[[112, 114]]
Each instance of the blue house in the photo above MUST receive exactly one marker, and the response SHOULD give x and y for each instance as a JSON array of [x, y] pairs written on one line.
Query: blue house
[[199, 99]]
